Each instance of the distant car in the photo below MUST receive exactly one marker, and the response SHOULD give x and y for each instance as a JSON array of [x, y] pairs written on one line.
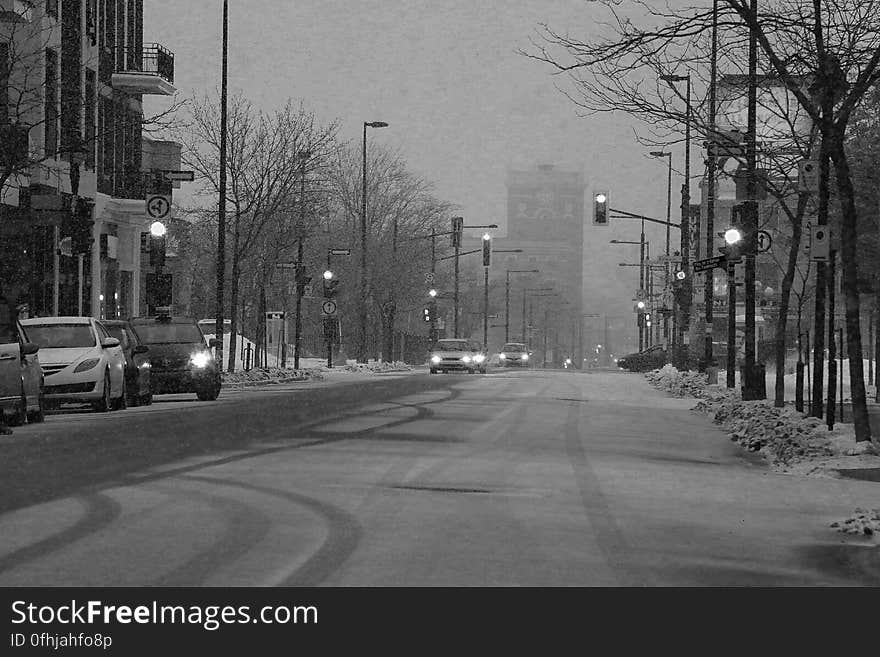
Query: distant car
[[21, 379], [479, 358], [452, 354], [180, 357], [514, 354], [81, 361], [651, 358], [137, 362]]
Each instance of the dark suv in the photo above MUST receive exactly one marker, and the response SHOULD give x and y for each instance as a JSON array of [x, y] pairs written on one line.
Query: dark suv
[[181, 359]]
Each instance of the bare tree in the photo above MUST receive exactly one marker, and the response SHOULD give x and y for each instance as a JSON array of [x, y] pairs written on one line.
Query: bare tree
[[826, 53]]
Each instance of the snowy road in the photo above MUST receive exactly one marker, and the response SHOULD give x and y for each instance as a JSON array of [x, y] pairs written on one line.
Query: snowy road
[[515, 478]]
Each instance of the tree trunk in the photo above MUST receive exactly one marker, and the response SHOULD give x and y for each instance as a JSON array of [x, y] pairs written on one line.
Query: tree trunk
[[848, 237], [784, 299], [389, 335]]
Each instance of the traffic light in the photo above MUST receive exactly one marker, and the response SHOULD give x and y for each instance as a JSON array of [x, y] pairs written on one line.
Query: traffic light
[[457, 226], [82, 226], [331, 283], [426, 313], [600, 208], [157, 245], [487, 249], [739, 222]]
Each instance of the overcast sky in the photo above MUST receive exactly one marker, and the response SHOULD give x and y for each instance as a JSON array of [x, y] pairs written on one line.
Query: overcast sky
[[462, 105]]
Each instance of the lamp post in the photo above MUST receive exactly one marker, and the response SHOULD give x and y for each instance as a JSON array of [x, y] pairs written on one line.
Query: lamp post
[[507, 298], [297, 335], [533, 292], [667, 155], [221, 209], [733, 238], [683, 323], [362, 346]]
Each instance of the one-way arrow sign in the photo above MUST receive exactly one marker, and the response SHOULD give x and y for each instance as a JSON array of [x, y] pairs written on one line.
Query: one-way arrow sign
[[709, 263]]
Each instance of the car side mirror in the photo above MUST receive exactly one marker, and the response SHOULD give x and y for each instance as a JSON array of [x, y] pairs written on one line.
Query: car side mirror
[[213, 342], [29, 349], [140, 349], [110, 342]]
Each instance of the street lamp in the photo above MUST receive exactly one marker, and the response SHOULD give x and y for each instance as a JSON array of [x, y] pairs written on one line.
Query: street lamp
[[667, 155], [362, 347], [157, 229], [733, 238], [507, 298]]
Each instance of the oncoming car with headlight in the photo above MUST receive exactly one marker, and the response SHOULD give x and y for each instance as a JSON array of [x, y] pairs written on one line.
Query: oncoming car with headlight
[[180, 358], [514, 354], [454, 354]]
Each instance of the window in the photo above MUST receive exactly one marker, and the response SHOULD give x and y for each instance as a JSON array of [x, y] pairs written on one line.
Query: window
[[51, 104], [60, 336]]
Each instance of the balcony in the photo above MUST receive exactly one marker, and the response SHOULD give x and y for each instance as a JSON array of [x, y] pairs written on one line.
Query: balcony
[[150, 71]]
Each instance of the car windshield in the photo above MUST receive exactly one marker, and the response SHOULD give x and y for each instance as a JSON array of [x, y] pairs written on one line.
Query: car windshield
[[60, 336], [116, 332], [513, 347], [452, 345], [169, 333]]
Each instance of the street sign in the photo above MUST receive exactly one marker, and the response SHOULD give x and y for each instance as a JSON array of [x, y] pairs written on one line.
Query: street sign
[[340, 252], [765, 241], [710, 263], [808, 176], [158, 205], [182, 176], [328, 308], [275, 314], [819, 243], [429, 277]]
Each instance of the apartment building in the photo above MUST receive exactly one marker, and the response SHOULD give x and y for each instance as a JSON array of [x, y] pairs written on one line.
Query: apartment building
[[73, 163]]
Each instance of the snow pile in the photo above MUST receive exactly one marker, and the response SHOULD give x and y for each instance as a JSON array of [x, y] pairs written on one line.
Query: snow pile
[[864, 522], [396, 366], [270, 375], [681, 383], [793, 442]]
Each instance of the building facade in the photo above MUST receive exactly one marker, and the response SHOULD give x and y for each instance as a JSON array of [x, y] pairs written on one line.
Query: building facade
[[545, 218], [72, 81]]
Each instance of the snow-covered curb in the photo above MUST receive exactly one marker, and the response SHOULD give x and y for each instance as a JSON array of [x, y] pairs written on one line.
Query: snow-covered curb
[[269, 375], [792, 442], [377, 368], [864, 522]]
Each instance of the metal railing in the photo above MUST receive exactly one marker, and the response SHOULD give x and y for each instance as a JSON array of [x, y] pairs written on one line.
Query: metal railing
[[154, 58]]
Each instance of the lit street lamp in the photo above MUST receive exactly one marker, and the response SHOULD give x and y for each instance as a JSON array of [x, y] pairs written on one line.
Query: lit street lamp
[[362, 346]]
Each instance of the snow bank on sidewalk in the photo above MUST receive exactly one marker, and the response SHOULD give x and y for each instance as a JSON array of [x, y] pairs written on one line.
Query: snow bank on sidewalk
[[270, 375], [396, 366], [791, 441]]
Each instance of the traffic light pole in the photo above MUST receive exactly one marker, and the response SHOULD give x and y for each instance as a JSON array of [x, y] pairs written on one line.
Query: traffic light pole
[[731, 323], [486, 308], [433, 329]]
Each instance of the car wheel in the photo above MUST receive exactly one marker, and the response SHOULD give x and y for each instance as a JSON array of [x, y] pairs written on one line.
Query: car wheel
[[209, 394], [134, 399], [433, 371], [20, 416], [40, 414], [105, 403]]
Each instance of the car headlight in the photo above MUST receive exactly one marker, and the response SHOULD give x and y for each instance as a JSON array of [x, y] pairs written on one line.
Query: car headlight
[[502, 355], [435, 358], [87, 364], [200, 359], [466, 359], [479, 358], [525, 356]]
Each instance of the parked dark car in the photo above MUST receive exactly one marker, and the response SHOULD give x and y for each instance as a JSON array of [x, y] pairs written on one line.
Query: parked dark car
[[138, 390], [652, 358], [180, 357]]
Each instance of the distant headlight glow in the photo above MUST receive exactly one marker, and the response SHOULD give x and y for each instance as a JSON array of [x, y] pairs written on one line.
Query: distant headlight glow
[[435, 358], [466, 359], [525, 356], [200, 359], [479, 358], [502, 355]]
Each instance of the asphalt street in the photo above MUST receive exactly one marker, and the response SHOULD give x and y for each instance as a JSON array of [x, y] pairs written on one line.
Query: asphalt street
[[516, 478]]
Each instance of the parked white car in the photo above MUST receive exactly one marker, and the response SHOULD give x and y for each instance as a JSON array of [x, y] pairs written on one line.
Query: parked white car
[[21, 380], [81, 362]]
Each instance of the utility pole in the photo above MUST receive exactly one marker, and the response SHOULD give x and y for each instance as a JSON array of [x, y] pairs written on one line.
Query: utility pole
[[751, 388], [299, 269], [221, 210], [486, 309], [710, 191]]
